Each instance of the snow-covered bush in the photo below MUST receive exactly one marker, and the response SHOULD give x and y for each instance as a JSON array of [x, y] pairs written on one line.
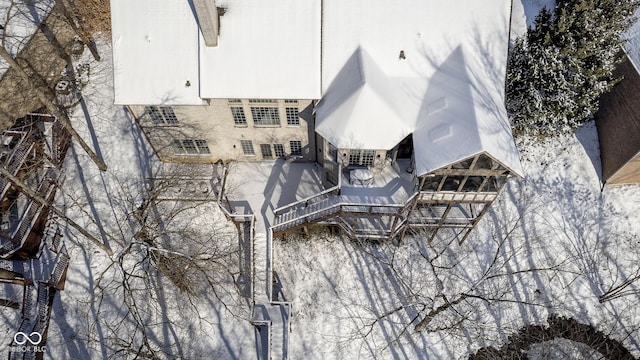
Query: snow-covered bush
[[556, 75]]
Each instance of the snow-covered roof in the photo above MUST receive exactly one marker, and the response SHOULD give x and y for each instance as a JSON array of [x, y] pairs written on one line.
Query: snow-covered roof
[[462, 115], [20, 20], [363, 108], [266, 49], [448, 90], [632, 47], [155, 52]]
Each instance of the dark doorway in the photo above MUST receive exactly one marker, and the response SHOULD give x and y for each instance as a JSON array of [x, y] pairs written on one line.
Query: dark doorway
[[405, 148]]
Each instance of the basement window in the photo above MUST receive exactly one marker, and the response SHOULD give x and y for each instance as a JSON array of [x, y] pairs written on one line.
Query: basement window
[[247, 147], [296, 147], [190, 147]]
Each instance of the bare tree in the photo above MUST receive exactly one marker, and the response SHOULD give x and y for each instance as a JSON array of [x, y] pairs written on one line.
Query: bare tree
[[172, 255], [442, 287], [33, 82]]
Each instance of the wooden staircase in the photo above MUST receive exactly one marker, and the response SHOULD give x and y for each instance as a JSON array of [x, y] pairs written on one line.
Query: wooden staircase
[[306, 211]]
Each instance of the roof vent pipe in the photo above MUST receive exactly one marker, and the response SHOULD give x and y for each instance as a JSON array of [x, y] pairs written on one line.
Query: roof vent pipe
[[207, 14]]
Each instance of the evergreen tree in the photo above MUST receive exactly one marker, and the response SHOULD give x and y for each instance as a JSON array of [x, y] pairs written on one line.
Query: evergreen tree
[[556, 75]]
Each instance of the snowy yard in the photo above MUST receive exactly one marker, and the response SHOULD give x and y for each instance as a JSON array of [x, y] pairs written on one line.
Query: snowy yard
[[554, 243], [108, 297]]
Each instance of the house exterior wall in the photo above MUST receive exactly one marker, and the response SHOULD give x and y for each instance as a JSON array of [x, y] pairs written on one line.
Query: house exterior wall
[[333, 159], [214, 123]]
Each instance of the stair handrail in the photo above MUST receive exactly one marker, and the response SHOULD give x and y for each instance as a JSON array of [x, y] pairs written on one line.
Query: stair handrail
[[281, 209]]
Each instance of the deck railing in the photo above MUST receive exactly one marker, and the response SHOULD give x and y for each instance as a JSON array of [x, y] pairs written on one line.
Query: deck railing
[[266, 324], [62, 261], [31, 215], [463, 197], [306, 213], [15, 162]]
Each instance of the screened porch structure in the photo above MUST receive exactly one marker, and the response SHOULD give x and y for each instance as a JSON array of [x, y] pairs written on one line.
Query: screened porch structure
[[457, 196], [398, 198]]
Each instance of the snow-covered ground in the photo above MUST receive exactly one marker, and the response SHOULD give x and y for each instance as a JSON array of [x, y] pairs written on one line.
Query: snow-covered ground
[[90, 319], [552, 243]]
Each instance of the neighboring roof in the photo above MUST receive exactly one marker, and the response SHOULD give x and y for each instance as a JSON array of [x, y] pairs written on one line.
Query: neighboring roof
[[19, 21], [618, 122], [266, 49], [618, 118], [30, 25], [448, 91]]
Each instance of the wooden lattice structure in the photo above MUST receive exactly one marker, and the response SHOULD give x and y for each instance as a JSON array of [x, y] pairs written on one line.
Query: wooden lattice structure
[[456, 196]]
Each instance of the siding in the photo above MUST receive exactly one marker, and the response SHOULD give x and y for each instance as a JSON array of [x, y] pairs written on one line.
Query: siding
[[214, 123]]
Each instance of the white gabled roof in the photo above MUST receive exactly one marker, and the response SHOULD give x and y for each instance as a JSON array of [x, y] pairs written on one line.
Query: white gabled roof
[[155, 52], [362, 100], [448, 91], [462, 116], [266, 49]]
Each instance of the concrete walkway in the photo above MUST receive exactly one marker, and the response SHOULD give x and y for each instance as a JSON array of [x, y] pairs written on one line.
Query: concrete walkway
[[258, 189]]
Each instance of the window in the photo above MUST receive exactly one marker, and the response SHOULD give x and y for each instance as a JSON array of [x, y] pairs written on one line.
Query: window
[[484, 162], [292, 116], [279, 150], [354, 157], [491, 185], [162, 115], [247, 147], [235, 101], [238, 116], [296, 147], [333, 153], [202, 146], [265, 115], [263, 101], [473, 183], [367, 157], [465, 164], [291, 101], [361, 157], [190, 147], [265, 149]]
